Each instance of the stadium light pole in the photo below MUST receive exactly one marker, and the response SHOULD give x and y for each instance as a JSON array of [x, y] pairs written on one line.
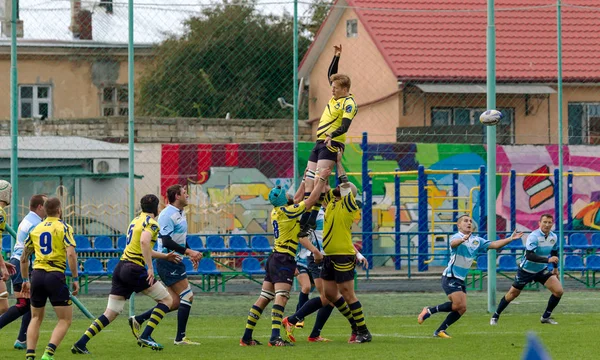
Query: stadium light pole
[[491, 154], [131, 138], [14, 115], [559, 84], [295, 94]]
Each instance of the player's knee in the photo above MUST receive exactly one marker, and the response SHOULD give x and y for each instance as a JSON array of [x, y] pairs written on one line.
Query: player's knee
[[267, 295], [282, 296], [186, 296], [306, 289], [115, 306], [23, 305], [558, 292], [460, 308]]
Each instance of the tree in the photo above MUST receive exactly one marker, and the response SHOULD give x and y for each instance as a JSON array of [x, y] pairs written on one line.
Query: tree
[[231, 59], [317, 13]]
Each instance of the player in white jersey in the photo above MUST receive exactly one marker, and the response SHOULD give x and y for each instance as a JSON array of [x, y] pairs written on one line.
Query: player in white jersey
[[541, 249], [465, 247], [172, 237]]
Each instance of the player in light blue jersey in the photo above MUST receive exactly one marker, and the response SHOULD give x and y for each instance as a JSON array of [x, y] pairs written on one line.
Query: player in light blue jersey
[[172, 237], [541, 249], [465, 247], [22, 307]]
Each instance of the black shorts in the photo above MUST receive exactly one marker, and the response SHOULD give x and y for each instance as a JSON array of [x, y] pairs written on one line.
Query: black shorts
[[313, 270], [170, 273], [322, 152], [16, 278], [280, 268], [338, 268], [128, 278], [452, 285], [523, 278], [49, 285]]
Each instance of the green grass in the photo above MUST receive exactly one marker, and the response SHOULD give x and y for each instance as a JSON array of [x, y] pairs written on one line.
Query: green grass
[[218, 322]]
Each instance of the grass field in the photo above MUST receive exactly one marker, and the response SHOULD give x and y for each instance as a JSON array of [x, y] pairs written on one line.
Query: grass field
[[218, 322]]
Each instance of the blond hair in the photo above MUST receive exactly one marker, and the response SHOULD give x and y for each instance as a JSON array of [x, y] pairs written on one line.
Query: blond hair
[[343, 80]]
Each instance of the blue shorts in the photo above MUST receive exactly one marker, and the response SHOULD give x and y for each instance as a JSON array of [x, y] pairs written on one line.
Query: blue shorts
[[452, 285], [16, 279], [170, 273], [313, 269], [523, 278]]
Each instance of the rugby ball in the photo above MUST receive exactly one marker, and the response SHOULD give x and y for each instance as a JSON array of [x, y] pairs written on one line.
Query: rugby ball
[[490, 117]]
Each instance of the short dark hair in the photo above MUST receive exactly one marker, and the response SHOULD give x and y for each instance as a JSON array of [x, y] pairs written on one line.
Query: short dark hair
[[36, 201], [173, 191], [149, 204], [546, 216], [52, 207]]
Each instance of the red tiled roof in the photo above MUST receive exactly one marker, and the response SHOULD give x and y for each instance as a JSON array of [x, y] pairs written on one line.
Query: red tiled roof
[[445, 40]]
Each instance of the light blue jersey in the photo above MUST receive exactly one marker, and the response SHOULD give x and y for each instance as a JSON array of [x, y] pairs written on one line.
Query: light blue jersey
[[462, 256], [27, 224], [172, 223], [541, 245], [316, 239]]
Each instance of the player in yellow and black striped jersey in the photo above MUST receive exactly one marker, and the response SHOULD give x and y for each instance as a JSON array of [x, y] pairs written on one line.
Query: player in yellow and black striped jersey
[[331, 132], [130, 275], [6, 269], [53, 244], [281, 265]]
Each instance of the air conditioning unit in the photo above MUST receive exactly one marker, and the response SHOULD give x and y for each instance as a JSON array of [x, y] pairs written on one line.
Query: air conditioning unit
[[106, 166]]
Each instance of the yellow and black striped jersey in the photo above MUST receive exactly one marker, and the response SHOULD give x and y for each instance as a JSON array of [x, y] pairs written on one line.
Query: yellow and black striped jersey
[[333, 114], [337, 230], [286, 226], [49, 240], [133, 250], [2, 220]]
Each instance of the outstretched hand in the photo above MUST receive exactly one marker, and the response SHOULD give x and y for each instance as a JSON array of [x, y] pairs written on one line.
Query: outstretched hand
[[338, 50], [516, 235]]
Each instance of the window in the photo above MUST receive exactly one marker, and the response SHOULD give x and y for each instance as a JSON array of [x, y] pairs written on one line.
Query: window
[[35, 101], [584, 123], [460, 116], [114, 100], [351, 28]]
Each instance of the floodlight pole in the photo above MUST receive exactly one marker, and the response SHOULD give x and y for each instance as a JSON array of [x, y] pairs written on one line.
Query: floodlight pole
[[559, 221], [131, 138], [491, 155], [295, 95], [14, 118]]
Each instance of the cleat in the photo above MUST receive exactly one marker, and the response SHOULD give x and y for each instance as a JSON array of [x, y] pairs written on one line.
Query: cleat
[[549, 320], [185, 341], [363, 337], [300, 325], [47, 356], [318, 339], [77, 350], [289, 329], [442, 334], [20, 345], [150, 343], [494, 321], [249, 342], [280, 342], [423, 315], [352, 339], [135, 326]]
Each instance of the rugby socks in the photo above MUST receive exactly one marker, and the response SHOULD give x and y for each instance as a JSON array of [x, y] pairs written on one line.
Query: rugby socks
[[30, 354], [552, 302], [158, 313], [342, 307], [322, 317], [359, 317], [50, 349], [310, 307], [183, 314], [276, 317], [302, 299], [14, 312], [253, 316], [143, 317], [95, 328], [445, 307], [25, 320], [450, 319], [503, 304]]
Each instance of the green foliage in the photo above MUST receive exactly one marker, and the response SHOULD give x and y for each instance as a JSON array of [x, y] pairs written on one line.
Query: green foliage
[[231, 59]]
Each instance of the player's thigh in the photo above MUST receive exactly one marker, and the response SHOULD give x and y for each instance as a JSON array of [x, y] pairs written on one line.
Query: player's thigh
[[554, 285], [331, 290], [64, 312], [158, 292], [325, 163], [179, 286], [346, 288], [512, 293], [38, 313], [458, 299], [304, 281]]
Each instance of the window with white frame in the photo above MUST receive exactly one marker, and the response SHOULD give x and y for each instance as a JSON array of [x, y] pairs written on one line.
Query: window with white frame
[[584, 123], [114, 100], [35, 101], [351, 28]]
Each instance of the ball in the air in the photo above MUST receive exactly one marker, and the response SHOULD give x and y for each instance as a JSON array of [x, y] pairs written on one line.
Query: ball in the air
[[490, 117]]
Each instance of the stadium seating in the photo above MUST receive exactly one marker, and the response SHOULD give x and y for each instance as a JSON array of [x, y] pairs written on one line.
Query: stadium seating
[[189, 266], [238, 244], [216, 243], [507, 263], [578, 241], [261, 244], [111, 264], [121, 242], [93, 267], [596, 241], [516, 245], [208, 270], [104, 244], [194, 242], [574, 263], [251, 266], [482, 263], [83, 244], [592, 266]]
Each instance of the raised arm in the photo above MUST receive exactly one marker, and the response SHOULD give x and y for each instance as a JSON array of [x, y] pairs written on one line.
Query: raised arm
[[319, 186], [333, 67], [501, 243]]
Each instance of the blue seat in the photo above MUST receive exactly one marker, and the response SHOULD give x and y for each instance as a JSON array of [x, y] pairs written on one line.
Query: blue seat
[[104, 243], [574, 263], [515, 245], [111, 265], [93, 266], [189, 267], [6, 243], [593, 263], [207, 267], [578, 241], [482, 262], [83, 243], [122, 242], [238, 243], [507, 263], [261, 244], [251, 266], [216, 243], [194, 242], [596, 241]]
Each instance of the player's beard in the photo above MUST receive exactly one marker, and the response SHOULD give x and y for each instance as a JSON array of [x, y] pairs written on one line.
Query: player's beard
[[290, 201]]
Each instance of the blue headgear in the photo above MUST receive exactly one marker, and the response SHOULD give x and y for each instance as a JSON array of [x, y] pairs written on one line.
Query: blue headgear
[[277, 197]]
